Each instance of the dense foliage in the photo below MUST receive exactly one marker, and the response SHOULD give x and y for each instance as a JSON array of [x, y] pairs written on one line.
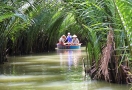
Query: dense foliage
[[105, 25]]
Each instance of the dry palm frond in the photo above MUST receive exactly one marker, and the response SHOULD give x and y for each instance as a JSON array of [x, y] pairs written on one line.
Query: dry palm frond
[[106, 56]]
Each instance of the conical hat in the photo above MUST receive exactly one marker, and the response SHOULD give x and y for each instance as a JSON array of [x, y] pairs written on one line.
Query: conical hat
[[74, 35]]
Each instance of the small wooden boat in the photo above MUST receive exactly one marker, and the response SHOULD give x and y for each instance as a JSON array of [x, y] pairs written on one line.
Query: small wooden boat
[[68, 46]]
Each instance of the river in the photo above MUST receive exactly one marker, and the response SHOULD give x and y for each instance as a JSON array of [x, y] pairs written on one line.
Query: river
[[59, 70]]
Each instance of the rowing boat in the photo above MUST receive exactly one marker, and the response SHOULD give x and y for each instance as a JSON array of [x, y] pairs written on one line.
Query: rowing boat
[[68, 46]]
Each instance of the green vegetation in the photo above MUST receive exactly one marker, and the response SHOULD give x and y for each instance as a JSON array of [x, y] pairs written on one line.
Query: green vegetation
[[104, 25]]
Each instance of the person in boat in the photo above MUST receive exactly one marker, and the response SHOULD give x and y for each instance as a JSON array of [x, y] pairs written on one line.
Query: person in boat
[[75, 40], [69, 38], [62, 40]]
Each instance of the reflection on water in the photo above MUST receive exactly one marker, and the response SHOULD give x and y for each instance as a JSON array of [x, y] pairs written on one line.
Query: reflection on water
[[60, 70], [72, 57]]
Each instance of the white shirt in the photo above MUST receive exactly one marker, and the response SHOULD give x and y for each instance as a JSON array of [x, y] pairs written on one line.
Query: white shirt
[[61, 40], [75, 41]]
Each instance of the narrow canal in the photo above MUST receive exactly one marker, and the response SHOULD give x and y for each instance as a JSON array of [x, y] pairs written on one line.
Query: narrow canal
[[59, 70]]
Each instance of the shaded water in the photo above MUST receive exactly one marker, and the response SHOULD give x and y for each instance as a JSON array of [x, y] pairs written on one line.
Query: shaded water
[[60, 70]]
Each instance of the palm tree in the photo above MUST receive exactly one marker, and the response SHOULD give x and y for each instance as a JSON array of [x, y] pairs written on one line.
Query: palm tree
[[32, 26], [9, 21], [107, 27], [36, 26]]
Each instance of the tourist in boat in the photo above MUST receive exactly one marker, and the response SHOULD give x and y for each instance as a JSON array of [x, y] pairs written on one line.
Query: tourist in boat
[[75, 40], [69, 38], [62, 40]]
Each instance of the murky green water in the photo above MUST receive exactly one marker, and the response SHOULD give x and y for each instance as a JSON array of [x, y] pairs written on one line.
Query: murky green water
[[60, 70]]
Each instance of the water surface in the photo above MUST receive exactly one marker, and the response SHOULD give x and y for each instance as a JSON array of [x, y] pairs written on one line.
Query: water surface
[[59, 70]]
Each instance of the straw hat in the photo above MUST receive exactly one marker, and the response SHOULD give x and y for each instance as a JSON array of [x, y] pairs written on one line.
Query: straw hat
[[74, 35]]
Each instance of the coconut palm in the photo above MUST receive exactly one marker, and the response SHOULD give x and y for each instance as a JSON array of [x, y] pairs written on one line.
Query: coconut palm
[[34, 26], [9, 17], [107, 26]]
